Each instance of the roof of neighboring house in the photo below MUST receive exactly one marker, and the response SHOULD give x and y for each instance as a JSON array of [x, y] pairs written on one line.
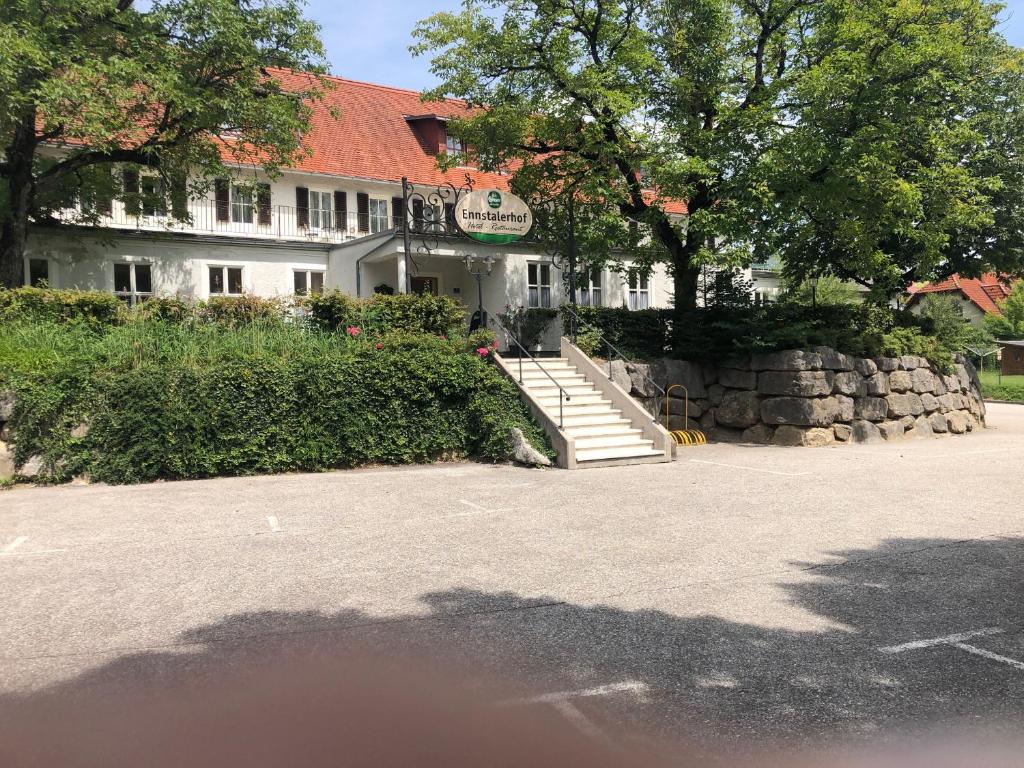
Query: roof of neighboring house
[[982, 291], [1010, 343], [374, 138]]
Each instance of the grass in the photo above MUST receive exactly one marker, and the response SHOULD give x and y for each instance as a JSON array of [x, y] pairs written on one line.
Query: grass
[[1010, 388]]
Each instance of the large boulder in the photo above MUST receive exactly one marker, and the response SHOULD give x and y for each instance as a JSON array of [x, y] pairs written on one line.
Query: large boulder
[[877, 384], [811, 437], [6, 462], [834, 361], [887, 364], [865, 432], [6, 406], [923, 380], [898, 405], [789, 360], [930, 402], [845, 408], [870, 408], [922, 428], [678, 407], [850, 383], [795, 383], [891, 430], [642, 380], [865, 367], [900, 381], [738, 409], [620, 375], [759, 433], [715, 392], [957, 422], [799, 411], [912, 362], [843, 432], [938, 422], [668, 372], [737, 379]]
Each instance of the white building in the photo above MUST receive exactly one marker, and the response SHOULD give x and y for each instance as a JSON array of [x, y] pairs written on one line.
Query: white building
[[333, 221]]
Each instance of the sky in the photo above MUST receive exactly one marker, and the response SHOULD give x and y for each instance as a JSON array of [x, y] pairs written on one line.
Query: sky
[[369, 39]]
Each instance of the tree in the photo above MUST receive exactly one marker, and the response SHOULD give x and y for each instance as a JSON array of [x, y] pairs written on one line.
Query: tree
[[1010, 324], [943, 317], [861, 139], [824, 291], [184, 88]]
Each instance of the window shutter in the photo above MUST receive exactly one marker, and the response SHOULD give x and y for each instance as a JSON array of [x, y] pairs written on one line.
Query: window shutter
[[417, 215], [179, 197], [222, 195], [302, 206], [132, 202], [341, 208], [397, 212], [363, 211], [449, 218], [263, 204]]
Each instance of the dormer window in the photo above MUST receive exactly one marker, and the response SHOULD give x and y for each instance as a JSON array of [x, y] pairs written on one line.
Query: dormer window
[[453, 145]]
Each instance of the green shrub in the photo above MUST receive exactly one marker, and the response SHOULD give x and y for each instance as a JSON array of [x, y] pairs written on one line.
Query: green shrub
[[237, 311], [94, 308], [381, 313], [527, 324], [642, 334], [175, 401]]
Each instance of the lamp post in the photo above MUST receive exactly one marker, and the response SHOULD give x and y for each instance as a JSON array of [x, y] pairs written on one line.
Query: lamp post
[[479, 268]]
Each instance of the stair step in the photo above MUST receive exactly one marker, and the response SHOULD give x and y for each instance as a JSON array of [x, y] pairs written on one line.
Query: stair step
[[627, 452], [593, 398], [620, 427], [612, 441], [584, 409], [573, 390], [547, 373], [592, 419]]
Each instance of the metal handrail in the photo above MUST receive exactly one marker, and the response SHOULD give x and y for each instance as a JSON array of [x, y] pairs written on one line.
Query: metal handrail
[[612, 348], [522, 350]]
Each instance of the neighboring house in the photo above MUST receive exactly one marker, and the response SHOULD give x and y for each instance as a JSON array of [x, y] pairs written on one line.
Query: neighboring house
[[978, 296], [1011, 356], [332, 221]]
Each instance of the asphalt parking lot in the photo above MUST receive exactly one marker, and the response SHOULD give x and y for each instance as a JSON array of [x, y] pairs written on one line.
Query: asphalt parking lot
[[741, 594]]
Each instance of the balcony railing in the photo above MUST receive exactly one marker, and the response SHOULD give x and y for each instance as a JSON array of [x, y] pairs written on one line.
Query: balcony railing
[[265, 222]]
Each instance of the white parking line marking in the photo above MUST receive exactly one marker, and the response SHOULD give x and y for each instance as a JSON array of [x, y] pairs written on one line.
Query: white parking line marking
[[634, 686], [750, 469], [957, 641], [272, 522], [947, 640], [14, 545], [989, 655], [571, 712]]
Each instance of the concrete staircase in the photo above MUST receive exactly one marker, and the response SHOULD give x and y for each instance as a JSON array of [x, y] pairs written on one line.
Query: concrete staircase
[[590, 420]]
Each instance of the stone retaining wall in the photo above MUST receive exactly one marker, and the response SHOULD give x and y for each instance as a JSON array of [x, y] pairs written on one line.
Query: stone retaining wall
[[813, 397]]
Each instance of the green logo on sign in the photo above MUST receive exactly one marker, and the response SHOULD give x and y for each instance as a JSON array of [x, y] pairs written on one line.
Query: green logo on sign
[[494, 199]]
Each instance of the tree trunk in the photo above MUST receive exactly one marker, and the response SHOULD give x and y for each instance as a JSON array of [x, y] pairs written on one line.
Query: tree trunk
[[14, 226], [684, 273]]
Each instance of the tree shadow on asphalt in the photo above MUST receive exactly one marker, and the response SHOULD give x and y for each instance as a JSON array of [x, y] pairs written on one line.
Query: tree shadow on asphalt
[[703, 675]]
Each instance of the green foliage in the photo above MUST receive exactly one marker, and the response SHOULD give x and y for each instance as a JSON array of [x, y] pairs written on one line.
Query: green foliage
[[165, 400], [1010, 324], [996, 387], [643, 334], [333, 310], [527, 324], [588, 339], [482, 338], [875, 140], [159, 85], [942, 316], [824, 290], [237, 311], [93, 308]]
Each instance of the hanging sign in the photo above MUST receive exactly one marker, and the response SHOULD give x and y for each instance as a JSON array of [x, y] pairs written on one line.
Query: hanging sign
[[493, 216]]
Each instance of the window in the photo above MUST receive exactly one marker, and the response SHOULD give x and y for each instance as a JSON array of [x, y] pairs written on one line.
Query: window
[[639, 290], [378, 215], [225, 281], [453, 145], [154, 197], [320, 209], [133, 283], [591, 294], [538, 284], [38, 272], [308, 281], [241, 205]]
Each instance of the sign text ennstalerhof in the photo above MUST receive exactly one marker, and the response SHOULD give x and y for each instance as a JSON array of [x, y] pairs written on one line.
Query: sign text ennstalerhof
[[493, 216]]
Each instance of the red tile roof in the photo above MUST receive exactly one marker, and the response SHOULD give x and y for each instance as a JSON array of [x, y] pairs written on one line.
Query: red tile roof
[[984, 292], [373, 139]]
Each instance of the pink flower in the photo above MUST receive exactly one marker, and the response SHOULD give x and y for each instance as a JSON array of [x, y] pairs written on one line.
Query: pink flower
[[493, 345], [353, 331], [441, 336], [482, 351], [379, 345]]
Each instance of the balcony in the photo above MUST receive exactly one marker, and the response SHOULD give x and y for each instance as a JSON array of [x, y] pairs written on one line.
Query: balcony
[[260, 222]]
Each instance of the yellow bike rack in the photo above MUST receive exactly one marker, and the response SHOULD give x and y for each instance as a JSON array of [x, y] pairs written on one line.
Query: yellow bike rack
[[684, 436]]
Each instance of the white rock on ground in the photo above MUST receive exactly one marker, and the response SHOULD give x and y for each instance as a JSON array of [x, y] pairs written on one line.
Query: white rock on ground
[[524, 453]]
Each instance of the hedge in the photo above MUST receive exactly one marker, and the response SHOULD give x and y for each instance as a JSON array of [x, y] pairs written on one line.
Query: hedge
[[150, 400]]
